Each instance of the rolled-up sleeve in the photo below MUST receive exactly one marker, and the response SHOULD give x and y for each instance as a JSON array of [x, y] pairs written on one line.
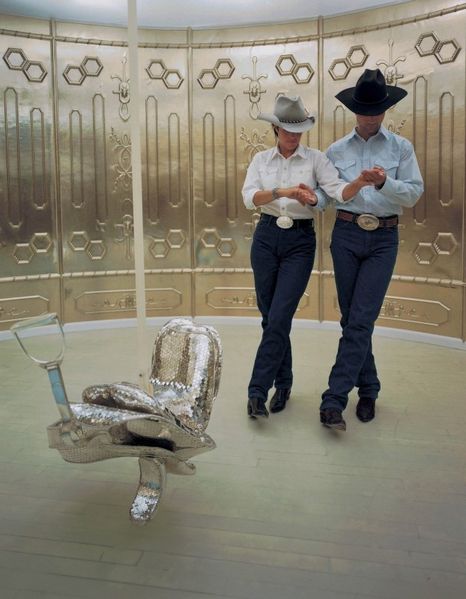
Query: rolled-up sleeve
[[323, 200], [252, 184]]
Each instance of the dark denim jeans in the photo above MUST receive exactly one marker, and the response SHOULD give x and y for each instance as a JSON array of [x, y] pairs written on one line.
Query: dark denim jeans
[[282, 261], [363, 263]]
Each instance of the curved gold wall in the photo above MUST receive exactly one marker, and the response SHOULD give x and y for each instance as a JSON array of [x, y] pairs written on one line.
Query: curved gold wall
[[66, 237]]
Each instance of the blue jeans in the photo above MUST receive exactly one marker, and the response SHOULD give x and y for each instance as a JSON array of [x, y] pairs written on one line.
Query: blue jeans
[[363, 263], [282, 261]]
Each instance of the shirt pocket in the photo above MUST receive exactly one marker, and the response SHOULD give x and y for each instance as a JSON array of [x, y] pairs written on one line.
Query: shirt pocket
[[389, 166], [270, 177], [303, 175], [345, 168]]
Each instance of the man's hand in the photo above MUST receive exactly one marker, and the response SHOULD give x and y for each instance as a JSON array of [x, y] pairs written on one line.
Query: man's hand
[[355, 186], [305, 195], [375, 176]]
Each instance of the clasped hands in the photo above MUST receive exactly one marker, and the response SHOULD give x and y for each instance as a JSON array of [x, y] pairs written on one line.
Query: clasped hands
[[375, 176], [305, 195]]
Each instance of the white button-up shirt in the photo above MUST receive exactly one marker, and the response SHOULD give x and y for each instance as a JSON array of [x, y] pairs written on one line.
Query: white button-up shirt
[[269, 169]]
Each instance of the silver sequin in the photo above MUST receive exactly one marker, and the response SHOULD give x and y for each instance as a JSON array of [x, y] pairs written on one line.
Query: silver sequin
[[163, 429]]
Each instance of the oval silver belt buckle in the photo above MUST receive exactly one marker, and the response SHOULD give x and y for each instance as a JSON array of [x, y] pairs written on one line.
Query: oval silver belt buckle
[[284, 222], [368, 222]]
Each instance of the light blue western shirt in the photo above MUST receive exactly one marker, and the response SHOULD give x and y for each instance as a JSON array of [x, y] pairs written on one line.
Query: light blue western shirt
[[403, 186]]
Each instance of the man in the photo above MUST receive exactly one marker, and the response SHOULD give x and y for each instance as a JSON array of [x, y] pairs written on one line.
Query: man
[[280, 182], [365, 238]]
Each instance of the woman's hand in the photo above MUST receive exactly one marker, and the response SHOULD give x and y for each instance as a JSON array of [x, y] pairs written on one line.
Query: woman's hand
[[356, 185], [302, 193]]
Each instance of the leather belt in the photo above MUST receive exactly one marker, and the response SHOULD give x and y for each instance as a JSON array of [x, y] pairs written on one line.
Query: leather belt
[[297, 223], [368, 222]]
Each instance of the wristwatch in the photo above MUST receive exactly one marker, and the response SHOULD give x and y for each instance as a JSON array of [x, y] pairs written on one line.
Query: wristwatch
[[275, 195]]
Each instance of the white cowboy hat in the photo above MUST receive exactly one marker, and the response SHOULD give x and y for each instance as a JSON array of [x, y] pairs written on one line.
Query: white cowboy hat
[[289, 114]]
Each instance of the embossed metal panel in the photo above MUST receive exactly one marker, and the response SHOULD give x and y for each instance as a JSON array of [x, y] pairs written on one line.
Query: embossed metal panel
[[28, 246], [66, 219], [234, 295], [95, 166], [425, 58], [230, 87], [95, 296]]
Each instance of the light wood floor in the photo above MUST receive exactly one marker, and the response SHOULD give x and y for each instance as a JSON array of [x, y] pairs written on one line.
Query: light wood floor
[[281, 509]]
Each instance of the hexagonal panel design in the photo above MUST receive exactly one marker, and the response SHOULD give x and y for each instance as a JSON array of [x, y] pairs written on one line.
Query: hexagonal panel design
[[425, 253], [445, 244], [92, 66], [79, 241], [15, 59], [156, 69], [74, 75], [285, 64], [226, 247], [302, 73], [176, 238], [210, 238], [172, 79], [207, 79], [159, 248], [34, 71], [339, 69], [41, 243], [357, 56], [426, 44], [23, 253], [447, 51], [96, 249], [224, 68]]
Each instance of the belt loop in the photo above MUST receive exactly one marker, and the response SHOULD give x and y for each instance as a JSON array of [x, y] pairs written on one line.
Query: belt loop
[[266, 219]]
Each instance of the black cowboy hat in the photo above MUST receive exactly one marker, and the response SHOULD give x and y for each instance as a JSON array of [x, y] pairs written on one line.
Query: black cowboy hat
[[371, 95]]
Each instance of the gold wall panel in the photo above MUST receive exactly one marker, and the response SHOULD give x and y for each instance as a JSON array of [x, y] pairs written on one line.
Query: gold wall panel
[[427, 58], [230, 88], [114, 296], [429, 308], [95, 158], [27, 217], [217, 295], [24, 298], [66, 218]]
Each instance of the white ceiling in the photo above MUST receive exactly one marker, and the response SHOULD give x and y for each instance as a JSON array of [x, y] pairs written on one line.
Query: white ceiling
[[173, 14]]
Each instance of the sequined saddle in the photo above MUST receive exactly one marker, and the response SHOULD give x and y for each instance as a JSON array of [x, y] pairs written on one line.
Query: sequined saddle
[[163, 429]]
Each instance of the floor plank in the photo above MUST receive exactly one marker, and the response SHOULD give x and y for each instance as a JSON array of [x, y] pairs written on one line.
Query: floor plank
[[282, 508]]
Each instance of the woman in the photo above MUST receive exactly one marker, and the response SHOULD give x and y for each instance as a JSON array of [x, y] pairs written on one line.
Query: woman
[[281, 181]]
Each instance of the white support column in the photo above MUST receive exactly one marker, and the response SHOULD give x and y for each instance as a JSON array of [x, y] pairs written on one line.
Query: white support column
[[134, 109]]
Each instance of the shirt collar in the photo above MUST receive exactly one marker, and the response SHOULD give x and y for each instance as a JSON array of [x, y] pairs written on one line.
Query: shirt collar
[[300, 151], [382, 131]]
